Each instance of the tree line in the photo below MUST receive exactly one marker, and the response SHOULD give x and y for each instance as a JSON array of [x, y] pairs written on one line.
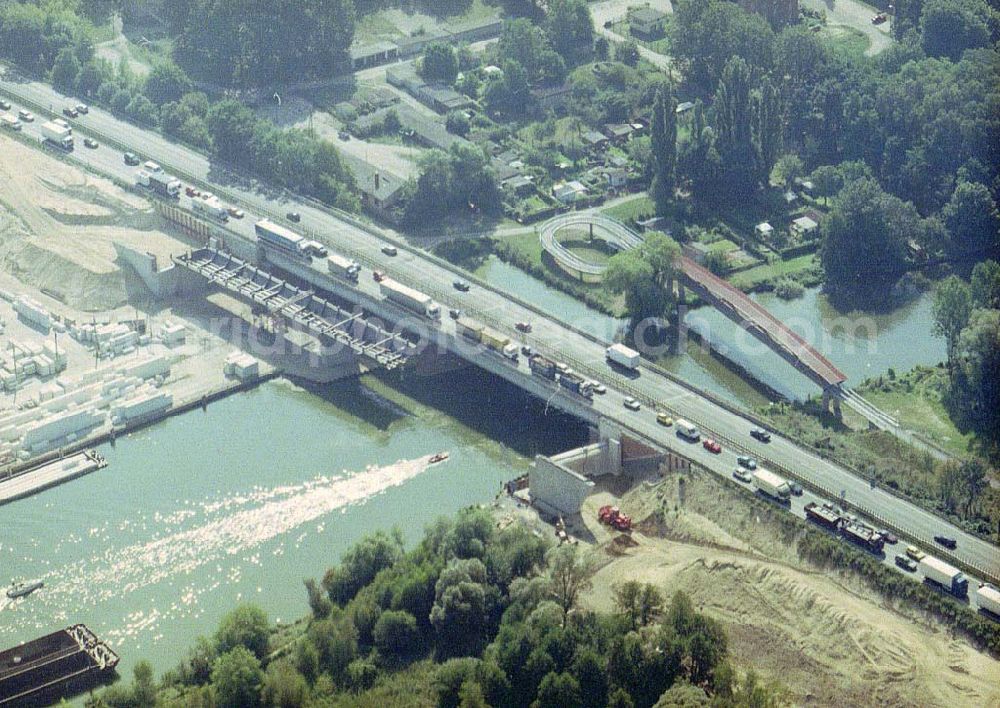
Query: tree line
[[498, 615]]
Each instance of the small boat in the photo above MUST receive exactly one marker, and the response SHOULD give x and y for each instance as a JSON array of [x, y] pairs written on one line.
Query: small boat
[[439, 457], [17, 590]]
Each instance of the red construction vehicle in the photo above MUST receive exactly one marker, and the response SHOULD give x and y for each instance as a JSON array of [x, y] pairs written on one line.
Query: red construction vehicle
[[613, 517]]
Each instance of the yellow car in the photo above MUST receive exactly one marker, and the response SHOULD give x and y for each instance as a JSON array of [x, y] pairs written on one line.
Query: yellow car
[[663, 419], [915, 553]]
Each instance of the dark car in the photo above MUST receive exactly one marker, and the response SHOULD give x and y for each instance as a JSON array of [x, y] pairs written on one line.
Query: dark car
[[454, 313], [71, 112], [906, 563], [526, 350], [746, 461], [461, 285], [4, 105], [760, 434], [294, 216], [90, 143], [946, 541], [795, 488], [131, 159], [888, 537]]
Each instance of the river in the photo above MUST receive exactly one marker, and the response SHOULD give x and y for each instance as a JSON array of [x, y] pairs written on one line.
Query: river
[[245, 500]]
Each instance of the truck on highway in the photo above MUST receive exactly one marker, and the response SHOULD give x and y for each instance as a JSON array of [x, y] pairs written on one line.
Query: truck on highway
[[343, 267], [540, 366], [937, 572], [623, 356], [10, 122], [823, 515], [988, 599], [56, 134], [274, 236], [161, 183], [687, 430], [469, 328], [210, 206], [770, 484], [863, 535], [577, 384], [409, 298]]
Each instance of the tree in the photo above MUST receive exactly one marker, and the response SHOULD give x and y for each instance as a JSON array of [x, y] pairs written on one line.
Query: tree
[[949, 27], [166, 82], [440, 63], [627, 53], [233, 127], [558, 691], [284, 687], [144, 685], [643, 274], [973, 222], [246, 626], [961, 484], [464, 607], [569, 573], [664, 149], [396, 633], [864, 242], [952, 307], [449, 678], [65, 69], [826, 182], [361, 564], [570, 29], [734, 129], [237, 678], [975, 385], [985, 285], [786, 170], [458, 123]]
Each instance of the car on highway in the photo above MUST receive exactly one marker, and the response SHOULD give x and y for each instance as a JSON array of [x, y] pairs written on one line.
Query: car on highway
[[906, 563], [4, 105], [946, 541], [795, 488], [10, 122], [236, 212], [454, 313], [71, 112], [192, 192], [390, 251], [82, 108], [711, 445], [761, 435], [741, 474], [461, 286], [664, 419], [378, 276], [598, 387], [131, 159], [526, 350], [523, 327], [26, 115], [151, 166], [632, 404], [562, 368], [915, 553], [746, 461], [294, 216], [889, 537], [90, 143]]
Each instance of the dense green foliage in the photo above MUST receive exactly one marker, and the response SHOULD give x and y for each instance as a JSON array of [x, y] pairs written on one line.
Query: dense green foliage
[[643, 275], [458, 180]]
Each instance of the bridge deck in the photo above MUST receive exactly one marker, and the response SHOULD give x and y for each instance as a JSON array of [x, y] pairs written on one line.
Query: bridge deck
[[755, 315]]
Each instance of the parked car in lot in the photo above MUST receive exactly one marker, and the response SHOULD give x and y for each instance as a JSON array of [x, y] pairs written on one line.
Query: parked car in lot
[[389, 250], [523, 327], [795, 488], [761, 435], [131, 159], [906, 563], [70, 112], [664, 419], [4, 105], [632, 404], [294, 216], [741, 474], [711, 445], [90, 143], [946, 541], [461, 286], [26, 115], [915, 553], [236, 213], [888, 537], [746, 461]]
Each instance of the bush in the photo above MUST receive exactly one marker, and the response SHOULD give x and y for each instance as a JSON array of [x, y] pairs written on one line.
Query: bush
[[396, 633], [788, 289]]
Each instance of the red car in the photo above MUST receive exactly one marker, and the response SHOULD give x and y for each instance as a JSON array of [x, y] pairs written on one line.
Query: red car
[[192, 192], [711, 445]]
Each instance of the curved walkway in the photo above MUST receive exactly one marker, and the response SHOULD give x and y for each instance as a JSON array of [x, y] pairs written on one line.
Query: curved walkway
[[611, 230]]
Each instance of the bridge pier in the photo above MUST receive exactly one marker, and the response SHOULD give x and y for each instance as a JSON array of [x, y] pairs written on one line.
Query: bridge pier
[[831, 400]]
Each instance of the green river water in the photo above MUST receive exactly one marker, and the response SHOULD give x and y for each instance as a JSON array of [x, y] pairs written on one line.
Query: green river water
[[246, 499]]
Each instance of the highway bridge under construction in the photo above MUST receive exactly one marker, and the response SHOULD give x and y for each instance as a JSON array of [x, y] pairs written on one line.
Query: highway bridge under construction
[[58, 665]]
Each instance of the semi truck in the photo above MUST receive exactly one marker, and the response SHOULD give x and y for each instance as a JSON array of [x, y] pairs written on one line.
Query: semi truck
[[623, 356], [210, 206], [823, 515], [56, 134], [576, 384], [469, 328], [540, 366], [862, 535], [937, 572], [272, 235], [409, 298], [343, 267], [988, 599], [161, 183], [770, 484]]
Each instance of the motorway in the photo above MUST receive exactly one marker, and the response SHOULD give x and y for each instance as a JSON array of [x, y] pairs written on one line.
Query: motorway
[[503, 310]]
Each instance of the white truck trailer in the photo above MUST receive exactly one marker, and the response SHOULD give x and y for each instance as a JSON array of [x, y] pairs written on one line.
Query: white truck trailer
[[343, 267], [160, 182], [937, 572], [623, 356], [57, 134], [210, 206], [409, 298], [988, 598], [767, 482]]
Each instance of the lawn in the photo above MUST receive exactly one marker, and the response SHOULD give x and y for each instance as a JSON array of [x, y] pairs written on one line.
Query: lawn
[[848, 40], [638, 208], [772, 271]]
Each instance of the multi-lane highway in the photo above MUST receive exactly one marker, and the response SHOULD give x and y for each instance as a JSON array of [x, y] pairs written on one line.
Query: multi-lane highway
[[501, 309]]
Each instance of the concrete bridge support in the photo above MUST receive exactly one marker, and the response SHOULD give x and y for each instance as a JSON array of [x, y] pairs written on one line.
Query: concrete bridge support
[[831, 401]]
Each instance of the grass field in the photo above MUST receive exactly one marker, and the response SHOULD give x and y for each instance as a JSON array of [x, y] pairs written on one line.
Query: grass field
[[638, 208], [770, 271]]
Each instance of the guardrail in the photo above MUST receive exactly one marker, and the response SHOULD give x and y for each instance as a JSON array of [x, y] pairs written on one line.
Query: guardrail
[[621, 382]]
